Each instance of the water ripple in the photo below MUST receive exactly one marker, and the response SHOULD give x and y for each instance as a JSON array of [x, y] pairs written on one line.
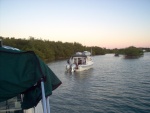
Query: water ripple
[[114, 85]]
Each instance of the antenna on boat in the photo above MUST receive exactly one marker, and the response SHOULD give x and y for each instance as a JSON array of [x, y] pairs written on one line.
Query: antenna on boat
[[91, 51]]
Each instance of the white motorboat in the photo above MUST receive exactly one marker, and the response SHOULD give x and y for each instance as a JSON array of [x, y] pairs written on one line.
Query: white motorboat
[[79, 62]]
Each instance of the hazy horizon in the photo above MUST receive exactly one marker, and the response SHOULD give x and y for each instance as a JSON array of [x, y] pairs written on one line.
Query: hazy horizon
[[102, 23]]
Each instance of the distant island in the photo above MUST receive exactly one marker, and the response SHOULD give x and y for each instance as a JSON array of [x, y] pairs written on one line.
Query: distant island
[[133, 52], [50, 50], [130, 52]]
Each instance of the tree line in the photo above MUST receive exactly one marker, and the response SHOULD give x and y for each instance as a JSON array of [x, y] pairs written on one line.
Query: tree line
[[51, 50]]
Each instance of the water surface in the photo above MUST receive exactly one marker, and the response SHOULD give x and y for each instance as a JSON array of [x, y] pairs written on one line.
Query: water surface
[[113, 85]]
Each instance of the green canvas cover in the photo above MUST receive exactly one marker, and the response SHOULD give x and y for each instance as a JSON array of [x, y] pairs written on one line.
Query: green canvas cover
[[21, 73]]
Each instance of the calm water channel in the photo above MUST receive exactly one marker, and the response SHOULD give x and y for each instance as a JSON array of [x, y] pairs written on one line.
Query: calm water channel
[[113, 85]]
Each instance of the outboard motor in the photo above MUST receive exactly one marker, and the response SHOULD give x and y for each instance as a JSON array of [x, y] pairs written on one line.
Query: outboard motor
[[67, 67], [73, 66]]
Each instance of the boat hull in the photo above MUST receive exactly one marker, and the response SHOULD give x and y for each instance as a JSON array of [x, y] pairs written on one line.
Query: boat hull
[[84, 67]]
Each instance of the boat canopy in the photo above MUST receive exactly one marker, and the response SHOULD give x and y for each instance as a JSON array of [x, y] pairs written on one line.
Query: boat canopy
[[87, 53], [79, 55], [21, 73], [82, 54]]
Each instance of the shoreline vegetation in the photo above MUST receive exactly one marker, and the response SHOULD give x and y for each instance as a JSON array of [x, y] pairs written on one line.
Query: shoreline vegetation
[[133, 52], [51, 50]]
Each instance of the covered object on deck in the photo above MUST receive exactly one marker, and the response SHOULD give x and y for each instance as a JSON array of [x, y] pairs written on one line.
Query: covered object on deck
[[22, 73]]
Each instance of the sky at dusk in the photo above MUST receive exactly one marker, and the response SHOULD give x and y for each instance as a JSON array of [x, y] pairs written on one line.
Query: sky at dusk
[[103, 23]]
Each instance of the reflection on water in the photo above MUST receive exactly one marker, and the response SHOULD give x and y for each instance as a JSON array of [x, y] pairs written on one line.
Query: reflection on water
[[80, 75]]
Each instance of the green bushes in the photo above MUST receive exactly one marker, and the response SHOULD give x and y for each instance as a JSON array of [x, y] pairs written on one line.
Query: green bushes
[[133, 52], [50, 50]]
